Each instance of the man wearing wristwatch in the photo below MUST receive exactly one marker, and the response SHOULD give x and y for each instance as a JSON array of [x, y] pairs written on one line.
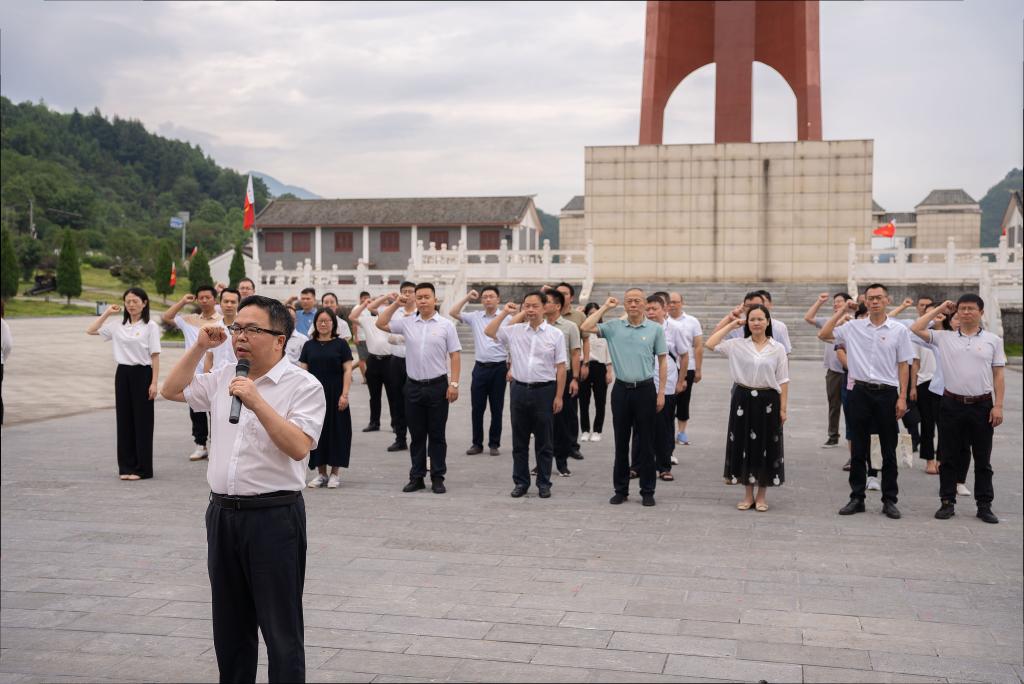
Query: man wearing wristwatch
[[430, 343]]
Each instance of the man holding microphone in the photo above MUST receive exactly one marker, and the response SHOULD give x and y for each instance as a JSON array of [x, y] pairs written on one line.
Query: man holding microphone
[[256, 520]]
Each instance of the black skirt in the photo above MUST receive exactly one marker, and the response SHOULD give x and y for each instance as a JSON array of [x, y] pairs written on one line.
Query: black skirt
[[753, 450]]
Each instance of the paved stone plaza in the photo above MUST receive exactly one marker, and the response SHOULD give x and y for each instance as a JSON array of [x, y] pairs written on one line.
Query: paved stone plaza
[[106, 580]]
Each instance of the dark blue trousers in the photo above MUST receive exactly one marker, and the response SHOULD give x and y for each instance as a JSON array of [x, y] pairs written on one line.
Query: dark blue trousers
[[488, 388]]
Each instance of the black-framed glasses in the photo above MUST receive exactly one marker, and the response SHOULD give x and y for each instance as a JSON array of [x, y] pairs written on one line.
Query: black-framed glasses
[[251, 330]]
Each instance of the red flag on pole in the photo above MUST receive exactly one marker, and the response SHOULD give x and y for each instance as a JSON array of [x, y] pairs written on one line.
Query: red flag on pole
[[174, 275], [888, 230], [250, 207], [193, 252]]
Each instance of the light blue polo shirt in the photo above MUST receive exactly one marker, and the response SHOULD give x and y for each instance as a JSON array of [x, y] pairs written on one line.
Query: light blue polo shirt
[[633, 347]]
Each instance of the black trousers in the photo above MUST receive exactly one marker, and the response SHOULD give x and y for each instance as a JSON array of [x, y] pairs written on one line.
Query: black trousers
[[426, 409], [396, 396], [134, 411], [834, 391], [596, 386], [633, 415], [664, 438], [873, 412], [532, 415], [377, 373], [567, 427], [200, 427], [488, 388], [257, 564], [964, 431], [928, 408], [683, 398]]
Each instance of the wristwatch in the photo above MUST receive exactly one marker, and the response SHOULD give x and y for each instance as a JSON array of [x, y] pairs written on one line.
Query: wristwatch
[[454, 384]]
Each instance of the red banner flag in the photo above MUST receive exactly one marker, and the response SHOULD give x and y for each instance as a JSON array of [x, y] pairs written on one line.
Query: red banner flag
[[174, 275], [888, 230], [250, 207]]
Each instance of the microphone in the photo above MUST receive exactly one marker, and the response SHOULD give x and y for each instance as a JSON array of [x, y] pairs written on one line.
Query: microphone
[[241, 371]]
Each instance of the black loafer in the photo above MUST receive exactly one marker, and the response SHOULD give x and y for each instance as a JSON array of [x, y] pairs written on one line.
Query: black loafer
[[414, 485], [398, 446], [946, 511], [648, 499], [847, 466], [518, 491], [853, 506], [544, 493], [618, 499], [565, 473], [474, 450], [577, 455], [986, 514], [890, 510], [371, 428], [438, 487]]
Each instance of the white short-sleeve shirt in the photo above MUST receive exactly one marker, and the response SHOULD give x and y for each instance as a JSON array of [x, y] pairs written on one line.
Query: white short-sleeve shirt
[[874, 352], [691, 328], [967, 360], [375, 338], [243, 459], [133, 342], [293, 348], [768, 368], [485, 349], [535, 353], [428, 344], [780, 333]]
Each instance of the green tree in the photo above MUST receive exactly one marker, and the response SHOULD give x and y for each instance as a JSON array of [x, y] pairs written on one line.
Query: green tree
[[162, 273], [9, 266], [69, 270], [30, 254], [237, 269], [199, 271]]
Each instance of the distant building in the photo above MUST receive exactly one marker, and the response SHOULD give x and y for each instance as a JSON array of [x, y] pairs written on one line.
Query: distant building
[[1013, 220], [570, 223], [945, 214]]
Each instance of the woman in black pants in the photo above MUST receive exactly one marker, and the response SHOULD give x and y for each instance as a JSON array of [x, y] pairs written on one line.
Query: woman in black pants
[[137, 353], [596, 382]]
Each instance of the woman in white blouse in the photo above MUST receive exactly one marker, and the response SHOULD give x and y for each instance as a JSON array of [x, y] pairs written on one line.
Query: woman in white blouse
[[760, 371], [136, 343]]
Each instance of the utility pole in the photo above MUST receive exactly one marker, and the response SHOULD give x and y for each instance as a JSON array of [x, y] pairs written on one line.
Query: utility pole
[[31, 218]]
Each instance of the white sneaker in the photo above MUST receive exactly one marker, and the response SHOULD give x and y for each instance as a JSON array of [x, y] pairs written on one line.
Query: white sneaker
[[318, 481], [333, 482], [584, 436], [199, 454], [595, 436], [962, 490], [675, 461], [873, 484]]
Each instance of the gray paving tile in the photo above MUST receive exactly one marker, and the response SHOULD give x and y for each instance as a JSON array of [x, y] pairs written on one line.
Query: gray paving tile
[[604, 659], [465, 629], [392, 664], [869, 642], [521, 616], [740, 632], [489, 671], [660, 643], [794, 619], [358, 640], [826, 675], [557, 636], [732, 669], [804, 655], [18, 638], [146, 645], [951, 668], [122, 624], [473, 649]]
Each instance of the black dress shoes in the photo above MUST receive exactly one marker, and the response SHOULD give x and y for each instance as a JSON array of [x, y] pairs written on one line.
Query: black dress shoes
[[518, 491], [890, 510], [414, 485], [946, 511], [372, 427], [544, 493], [437, 486], [648, 499], [474, 450], [577, 455], [986, 514], [398, 445], [495, 451], [618, 499], [854, 506]]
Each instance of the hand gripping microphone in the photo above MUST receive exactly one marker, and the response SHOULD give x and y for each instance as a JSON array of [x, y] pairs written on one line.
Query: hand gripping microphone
[[241, 371]]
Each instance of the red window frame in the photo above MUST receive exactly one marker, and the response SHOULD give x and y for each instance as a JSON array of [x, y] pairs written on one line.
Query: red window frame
[[273, 241], [490, 239], [301, 242], [439, 237], [390, 241], [343, 241]]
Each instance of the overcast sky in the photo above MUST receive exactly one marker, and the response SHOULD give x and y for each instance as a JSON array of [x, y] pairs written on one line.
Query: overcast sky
[[421, 99]]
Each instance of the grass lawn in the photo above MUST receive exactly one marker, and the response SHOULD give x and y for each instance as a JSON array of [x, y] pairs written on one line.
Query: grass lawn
[[97, 283], [1013, 349], [27, 308]]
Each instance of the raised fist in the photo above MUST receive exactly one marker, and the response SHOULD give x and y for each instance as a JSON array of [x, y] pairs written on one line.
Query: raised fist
[[189, 298], [113, 309], [211, 336], [737, 311], [949, 306], [611, 303], [907, 301], [473, 295], [511, 308], [823, 297], [851, 305]]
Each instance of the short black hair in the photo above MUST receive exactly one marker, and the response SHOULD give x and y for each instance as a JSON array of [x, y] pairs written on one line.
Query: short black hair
[[765, 294], [325, 295], [308, 290], [845, 295], [572, 290], [364, 293], [664, 296], [590, 308], [862, 310], [492, 288], [141, 294], [971, 298], [230, 290], [877, 286], [248, 280], [425, 286], [334, 321], [407, 283], [651, 299], [534, 293], [206, 288], [924, 296], [557, 296], [752, 294], [280, 317]]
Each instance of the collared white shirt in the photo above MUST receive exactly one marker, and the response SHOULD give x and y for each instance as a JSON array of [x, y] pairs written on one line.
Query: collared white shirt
[[224, 354], [6, 341], [768, 367], [243, 459], [926, 357], [133, 342], [486, 349], [831, 359], [396, 342], [428, 344], [691, 328], [191, 331], [293, 348], [678, 344], [375, 338], [873, 353], [967, 360], [344, 332], [780, 333], [535, 353], [599, 350]]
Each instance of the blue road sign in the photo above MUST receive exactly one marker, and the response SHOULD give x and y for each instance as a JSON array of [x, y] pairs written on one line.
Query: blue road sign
[[177, 222]]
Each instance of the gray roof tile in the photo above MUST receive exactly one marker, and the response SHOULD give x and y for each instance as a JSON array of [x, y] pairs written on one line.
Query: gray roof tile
[[575, 204], [955, 196], [403, 211]]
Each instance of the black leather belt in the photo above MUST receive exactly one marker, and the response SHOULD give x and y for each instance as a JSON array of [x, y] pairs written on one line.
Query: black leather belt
[[380, 357], [977, 399], [239, 503], [533, 385], [873, 386], [491, 364], [431, 381], [634, 385]]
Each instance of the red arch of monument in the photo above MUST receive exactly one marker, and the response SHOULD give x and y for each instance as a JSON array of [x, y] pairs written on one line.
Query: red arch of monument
[[684, 36]]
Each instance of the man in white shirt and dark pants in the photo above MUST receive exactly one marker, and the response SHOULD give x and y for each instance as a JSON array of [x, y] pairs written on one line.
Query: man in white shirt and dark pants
[[972, 403], [256, 520], [396, 371], [430, 343], [538, 381], [489, 369], [378, 360], [879, 353]]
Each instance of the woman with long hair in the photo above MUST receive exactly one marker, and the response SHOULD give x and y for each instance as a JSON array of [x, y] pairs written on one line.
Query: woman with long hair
[[595, 384], [329, 358], [136, 343], [760, 371]]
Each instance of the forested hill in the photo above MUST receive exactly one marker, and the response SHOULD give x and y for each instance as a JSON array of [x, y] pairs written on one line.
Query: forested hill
[[113, 182]]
